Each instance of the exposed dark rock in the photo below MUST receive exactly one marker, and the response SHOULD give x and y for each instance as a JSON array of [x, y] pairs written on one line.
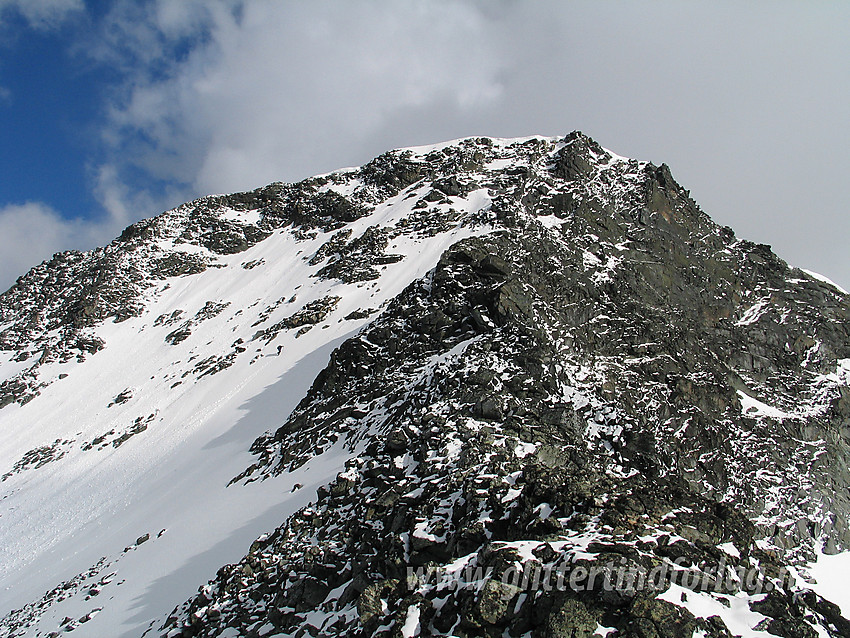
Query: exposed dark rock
[[311, 314], [38, 457], [358, 260]]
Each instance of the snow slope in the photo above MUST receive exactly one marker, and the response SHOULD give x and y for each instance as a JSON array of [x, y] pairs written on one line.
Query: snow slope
[[77, 519]]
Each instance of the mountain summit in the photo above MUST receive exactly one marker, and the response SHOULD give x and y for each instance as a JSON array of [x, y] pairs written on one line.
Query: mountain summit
[[491, 387]]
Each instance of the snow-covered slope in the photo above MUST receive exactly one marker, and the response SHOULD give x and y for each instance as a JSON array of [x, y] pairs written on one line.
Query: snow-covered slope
[[143, 437], [519, 337]]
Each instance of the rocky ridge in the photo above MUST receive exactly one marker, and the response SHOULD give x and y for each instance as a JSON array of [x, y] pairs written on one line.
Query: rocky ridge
[[624, 384]]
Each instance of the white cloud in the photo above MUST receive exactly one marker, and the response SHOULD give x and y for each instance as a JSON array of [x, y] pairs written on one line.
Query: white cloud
[[275, 91], [43, 13]]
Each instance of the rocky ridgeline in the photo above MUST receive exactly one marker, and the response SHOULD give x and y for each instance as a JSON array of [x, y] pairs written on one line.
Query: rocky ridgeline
[[48, 314], [607, 381]]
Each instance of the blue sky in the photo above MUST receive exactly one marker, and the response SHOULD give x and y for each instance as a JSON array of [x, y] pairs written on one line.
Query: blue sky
[[114, 111], [50, 105]]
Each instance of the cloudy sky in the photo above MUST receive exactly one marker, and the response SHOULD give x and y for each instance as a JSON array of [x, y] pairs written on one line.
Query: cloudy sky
[[111, 111]]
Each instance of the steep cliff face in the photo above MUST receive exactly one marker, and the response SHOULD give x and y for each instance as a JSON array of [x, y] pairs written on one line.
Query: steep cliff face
[[562, 401]]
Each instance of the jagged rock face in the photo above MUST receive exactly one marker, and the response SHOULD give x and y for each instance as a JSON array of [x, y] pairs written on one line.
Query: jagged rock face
[[590, 390], [599, 378]]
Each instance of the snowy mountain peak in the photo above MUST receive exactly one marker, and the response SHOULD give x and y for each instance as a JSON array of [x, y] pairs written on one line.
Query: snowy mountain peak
[[485, 354]]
